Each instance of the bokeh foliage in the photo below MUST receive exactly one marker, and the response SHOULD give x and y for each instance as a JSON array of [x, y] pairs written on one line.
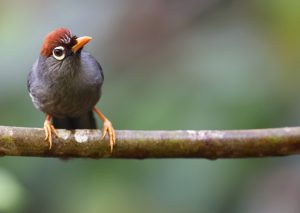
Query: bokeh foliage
[[221, 64]]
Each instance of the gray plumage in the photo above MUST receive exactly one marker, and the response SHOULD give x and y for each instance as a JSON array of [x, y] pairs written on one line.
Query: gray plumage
[[67, 89]]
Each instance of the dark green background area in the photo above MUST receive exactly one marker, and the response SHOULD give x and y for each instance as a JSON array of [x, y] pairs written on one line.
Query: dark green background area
[[221, 64]]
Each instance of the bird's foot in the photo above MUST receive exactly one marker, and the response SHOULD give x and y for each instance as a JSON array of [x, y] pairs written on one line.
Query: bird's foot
[[108, 128], [49, 129]]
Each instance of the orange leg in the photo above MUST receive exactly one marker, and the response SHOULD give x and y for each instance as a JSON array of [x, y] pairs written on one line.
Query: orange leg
[[107, 128], [49, 129]]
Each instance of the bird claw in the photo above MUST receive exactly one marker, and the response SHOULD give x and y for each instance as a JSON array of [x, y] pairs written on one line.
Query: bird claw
[[108, 128], [49, 129]]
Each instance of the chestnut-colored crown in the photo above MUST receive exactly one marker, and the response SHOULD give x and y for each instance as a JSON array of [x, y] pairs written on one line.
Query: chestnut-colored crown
[[58, 37]]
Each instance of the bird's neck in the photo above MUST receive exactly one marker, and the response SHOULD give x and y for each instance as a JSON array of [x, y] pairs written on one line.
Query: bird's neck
[[57, 71]]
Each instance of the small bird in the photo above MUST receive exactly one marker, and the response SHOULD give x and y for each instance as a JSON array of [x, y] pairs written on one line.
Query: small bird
[[65, 83]]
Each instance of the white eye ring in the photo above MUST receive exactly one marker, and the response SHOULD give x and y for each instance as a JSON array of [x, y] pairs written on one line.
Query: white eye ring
[[59, 53]]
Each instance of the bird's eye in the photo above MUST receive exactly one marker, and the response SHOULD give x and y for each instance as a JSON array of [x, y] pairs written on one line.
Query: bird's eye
[[59, 53]]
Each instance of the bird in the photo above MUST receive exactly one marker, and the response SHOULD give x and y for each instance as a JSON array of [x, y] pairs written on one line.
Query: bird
[[65, 83]]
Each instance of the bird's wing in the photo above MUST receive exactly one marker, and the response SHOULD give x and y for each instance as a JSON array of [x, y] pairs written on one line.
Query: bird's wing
[[30, 76], [101, 70]]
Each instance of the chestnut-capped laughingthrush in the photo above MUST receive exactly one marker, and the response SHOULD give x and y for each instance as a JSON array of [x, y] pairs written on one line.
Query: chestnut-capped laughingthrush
[[65, 83]]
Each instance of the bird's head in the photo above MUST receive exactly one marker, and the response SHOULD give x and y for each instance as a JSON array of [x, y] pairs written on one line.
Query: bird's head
[[60, 43], [60, 50]]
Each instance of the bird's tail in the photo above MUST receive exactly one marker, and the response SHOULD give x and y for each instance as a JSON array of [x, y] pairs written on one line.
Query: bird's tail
[[86, 121]]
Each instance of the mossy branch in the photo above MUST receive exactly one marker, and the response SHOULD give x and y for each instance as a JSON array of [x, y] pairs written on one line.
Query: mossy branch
[[18, 141]]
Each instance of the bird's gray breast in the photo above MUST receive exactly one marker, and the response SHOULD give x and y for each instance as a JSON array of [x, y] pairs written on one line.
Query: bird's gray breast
[[67, 89]]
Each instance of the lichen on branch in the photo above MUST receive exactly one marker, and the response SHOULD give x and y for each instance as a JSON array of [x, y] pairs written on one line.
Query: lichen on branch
[[209, 144]]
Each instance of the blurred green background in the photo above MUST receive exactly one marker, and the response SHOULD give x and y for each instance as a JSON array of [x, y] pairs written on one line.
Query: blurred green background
[[194, 64]]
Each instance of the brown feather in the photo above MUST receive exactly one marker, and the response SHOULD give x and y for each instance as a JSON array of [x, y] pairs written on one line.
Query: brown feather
[[58, 37]]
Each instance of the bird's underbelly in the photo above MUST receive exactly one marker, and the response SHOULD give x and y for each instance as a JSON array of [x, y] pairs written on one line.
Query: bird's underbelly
[[69, 103]]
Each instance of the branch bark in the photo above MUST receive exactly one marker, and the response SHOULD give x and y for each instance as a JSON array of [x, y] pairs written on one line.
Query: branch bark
[[18, 141]]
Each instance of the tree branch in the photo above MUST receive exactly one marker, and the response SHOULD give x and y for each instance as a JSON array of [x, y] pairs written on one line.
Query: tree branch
[[17, 141]]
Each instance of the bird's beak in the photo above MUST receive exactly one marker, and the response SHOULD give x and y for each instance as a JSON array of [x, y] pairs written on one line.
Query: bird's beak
[[81, 41]]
